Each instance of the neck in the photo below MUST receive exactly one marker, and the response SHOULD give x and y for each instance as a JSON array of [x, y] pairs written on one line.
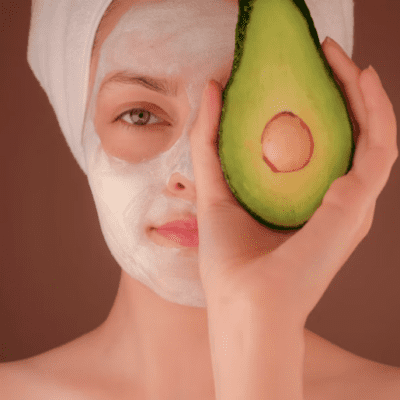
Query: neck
[[162, 345]]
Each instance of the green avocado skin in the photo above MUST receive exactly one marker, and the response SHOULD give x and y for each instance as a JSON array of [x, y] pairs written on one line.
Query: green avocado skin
[[279, 66]]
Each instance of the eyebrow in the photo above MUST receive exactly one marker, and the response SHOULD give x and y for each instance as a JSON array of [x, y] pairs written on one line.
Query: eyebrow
[[160, 85]]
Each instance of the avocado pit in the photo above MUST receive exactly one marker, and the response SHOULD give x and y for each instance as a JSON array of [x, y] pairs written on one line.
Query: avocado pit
[[287, 143]]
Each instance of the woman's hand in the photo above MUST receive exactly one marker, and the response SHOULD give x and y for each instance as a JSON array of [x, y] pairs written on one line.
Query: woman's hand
[[241, 259]]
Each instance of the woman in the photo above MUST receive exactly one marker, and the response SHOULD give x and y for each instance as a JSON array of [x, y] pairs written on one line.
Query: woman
[[206, 315]]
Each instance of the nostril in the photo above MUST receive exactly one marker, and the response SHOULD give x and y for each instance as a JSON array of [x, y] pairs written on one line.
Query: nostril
[[180, 186]]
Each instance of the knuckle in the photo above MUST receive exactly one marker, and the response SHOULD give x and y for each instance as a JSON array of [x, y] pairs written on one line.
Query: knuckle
[[387, 155], [369, 218], [347, 213], [344, 197]]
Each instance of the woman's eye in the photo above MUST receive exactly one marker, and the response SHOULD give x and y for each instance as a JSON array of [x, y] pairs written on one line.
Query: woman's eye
[[138, 117]]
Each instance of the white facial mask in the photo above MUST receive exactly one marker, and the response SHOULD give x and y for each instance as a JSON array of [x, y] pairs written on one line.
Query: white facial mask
[[193, 40]]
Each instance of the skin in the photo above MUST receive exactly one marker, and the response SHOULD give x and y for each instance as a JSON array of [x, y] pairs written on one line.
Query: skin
[[150, 348], [142, 326], [163, 338], [277, 290], [165, 345]]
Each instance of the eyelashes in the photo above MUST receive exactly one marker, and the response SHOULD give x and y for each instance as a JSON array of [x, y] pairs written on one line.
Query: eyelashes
[[140, 118]]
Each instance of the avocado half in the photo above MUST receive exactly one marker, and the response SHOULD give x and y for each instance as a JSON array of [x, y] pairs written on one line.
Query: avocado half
[[279, 67]]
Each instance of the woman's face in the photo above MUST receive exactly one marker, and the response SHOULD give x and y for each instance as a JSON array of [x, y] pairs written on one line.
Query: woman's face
[[134, 122], [147, 77]]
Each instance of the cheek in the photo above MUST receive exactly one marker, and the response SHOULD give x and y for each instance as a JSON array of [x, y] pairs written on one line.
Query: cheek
[[134, 147]]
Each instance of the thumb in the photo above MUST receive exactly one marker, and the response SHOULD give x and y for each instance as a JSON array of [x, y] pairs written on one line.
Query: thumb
[[211, 188]]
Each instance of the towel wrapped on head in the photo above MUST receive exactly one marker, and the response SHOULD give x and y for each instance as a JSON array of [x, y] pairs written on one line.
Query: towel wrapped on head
[[60, 45]]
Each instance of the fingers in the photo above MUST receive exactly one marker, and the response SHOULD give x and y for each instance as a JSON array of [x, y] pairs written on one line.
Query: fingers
[[341, 222], [375, 163], [211, 187], [376, 148], [381, 116], [347, 76], [345, 69]]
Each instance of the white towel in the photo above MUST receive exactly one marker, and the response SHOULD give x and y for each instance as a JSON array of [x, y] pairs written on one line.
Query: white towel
[[60, 44], [59, 49]]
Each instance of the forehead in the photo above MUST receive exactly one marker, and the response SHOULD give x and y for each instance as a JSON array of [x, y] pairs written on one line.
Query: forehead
[[111, 17], [114, 13]]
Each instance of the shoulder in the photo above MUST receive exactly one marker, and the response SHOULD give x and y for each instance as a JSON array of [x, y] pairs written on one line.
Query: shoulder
[[370, 381], [332, 373], [25, 380], [49, 375], [15, 380], [382, 382], [71, 371]]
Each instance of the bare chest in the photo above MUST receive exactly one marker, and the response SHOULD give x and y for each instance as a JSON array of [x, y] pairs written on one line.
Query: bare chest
[[355, 386], [367, 381]]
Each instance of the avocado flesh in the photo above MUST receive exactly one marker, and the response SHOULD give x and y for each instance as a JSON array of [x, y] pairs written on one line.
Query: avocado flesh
[[279, 66]]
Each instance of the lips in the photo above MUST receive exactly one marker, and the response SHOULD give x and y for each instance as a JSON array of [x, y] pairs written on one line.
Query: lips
[[183, 231]]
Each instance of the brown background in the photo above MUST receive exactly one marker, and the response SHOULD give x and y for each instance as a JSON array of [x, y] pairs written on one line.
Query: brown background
[[57, 277]]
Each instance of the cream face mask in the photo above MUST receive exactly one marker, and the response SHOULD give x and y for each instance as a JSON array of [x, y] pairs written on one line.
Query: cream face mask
[[188, 41], [193, 42]]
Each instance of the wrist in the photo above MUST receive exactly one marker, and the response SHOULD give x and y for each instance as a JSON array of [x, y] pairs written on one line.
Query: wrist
[[257, 354]]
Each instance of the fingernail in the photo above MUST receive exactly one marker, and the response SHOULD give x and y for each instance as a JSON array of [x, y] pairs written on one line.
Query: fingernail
[[337, 45]]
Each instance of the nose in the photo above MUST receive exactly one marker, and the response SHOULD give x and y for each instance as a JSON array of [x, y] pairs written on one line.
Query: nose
[[179, 186]]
